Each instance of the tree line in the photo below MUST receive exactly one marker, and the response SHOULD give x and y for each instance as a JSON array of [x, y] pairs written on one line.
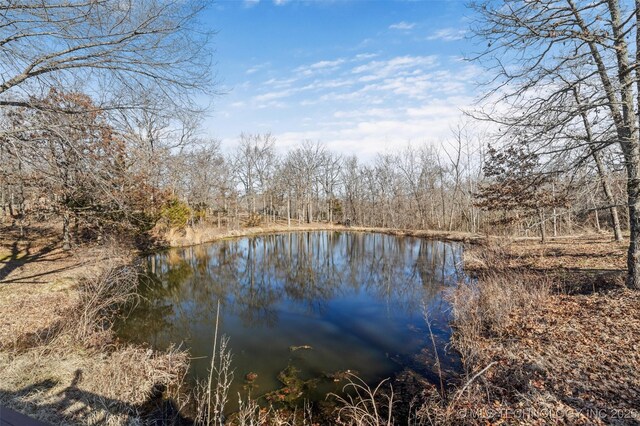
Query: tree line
[[96, 175], [99, 130]]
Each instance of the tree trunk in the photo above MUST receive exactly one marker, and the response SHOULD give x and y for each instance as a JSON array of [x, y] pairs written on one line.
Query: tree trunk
[[633, 192], [66, 233], [628, 138], [543, 230], [606, 188], [76, 229], [622, 111]]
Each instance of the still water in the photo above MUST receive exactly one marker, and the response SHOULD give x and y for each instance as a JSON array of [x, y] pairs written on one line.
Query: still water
[[320, 302]]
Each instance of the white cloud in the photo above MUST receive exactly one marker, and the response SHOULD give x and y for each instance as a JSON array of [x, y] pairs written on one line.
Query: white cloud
[[320, 66], [250, 3], [327, 64], [270, 96], [372, 135], [280, 83], [363, 104], [448, 34], [363, 113], [403, 26], [400, 65], [364, 56], [257, 68]]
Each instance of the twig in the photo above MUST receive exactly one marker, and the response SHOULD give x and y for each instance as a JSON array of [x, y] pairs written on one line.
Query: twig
[[466, 385]]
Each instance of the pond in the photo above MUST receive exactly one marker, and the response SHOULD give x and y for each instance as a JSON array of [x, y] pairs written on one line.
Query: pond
[[319, 303]]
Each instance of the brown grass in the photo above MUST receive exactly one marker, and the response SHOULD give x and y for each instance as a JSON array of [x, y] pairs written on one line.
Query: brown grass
[[71, 385], [485, 307], [545, 357], [59, 361], [593, 252], [204, 233], [365, 406], [102, 293]]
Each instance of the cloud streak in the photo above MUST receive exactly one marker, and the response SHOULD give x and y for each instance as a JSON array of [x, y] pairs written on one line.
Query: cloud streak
[[365, 103], [402, 26], [448, 34]]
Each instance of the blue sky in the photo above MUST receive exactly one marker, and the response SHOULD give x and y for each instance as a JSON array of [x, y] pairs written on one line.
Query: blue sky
[[360, 76]]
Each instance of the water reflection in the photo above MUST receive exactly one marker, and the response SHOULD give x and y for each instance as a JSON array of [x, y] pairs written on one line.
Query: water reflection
[[357, 299]]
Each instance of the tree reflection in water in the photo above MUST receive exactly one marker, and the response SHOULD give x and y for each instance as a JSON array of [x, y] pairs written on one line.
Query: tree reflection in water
[[356, 298]]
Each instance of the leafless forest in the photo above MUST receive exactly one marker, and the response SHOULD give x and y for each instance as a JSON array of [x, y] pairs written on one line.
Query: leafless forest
[[98, 136]]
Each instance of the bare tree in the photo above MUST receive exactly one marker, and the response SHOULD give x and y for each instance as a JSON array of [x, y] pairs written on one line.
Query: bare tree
[[534, 52], [304, 164], [253, 164], [74, 162], [329, 180], [110, 46]]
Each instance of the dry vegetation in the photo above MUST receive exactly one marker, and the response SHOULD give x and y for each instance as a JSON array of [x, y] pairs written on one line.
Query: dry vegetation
[[59, 361], [539, 351], [205, 233], [588, 252], [548, 334]]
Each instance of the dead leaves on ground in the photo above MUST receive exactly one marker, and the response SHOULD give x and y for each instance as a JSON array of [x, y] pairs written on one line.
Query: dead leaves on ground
[[579, 355]]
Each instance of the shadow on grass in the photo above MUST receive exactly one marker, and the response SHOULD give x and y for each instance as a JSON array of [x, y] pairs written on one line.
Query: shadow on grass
[[75, 405]]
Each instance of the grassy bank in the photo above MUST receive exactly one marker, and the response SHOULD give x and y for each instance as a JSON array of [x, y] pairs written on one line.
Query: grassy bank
[[206, 233], [59, 359], [549, 334]]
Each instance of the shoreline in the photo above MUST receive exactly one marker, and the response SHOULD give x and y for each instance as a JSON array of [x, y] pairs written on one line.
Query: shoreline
[[209, 234], [34, 352]]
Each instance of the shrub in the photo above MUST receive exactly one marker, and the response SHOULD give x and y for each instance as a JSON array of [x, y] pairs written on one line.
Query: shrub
[[176, 214], [254, 220]]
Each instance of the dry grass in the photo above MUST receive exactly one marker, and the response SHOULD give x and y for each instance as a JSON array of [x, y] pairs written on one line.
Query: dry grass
[[593, 252], [485, 307], [250, 413], [535, 355], [58, 359], [365, 406], [204, 233], [66, 385], [102, 293]]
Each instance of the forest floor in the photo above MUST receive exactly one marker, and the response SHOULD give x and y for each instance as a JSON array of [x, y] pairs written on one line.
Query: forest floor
[[556, 330], [560, 340]]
